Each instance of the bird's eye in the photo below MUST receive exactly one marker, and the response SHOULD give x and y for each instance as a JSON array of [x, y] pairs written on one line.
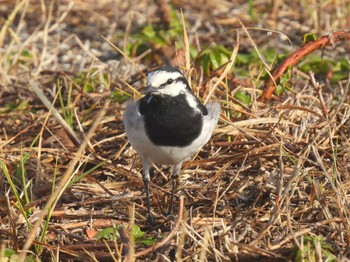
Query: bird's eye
[[170, 81]]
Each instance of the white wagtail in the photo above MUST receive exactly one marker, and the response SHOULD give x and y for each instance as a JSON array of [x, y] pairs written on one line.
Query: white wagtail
[[169, 124]]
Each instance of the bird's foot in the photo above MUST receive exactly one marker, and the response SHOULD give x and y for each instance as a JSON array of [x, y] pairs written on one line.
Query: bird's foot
[[150, 220]]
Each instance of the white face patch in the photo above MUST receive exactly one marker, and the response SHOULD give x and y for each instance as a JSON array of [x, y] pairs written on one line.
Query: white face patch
[[174, 89], [159, 79]]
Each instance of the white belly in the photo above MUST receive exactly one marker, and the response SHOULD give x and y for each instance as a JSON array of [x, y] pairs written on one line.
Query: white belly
[[162, 155]]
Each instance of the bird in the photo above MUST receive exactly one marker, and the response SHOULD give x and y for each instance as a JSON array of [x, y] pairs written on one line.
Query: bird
[[168, 125]]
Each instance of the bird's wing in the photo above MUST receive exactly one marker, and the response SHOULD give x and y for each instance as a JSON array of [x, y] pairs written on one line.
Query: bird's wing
[[132, 116], [213, 114], [209, 122]]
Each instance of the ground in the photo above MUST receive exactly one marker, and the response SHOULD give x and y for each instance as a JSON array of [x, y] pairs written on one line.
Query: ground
[[271, 185]]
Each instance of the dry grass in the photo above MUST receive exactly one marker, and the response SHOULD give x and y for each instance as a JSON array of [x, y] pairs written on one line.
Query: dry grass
[[274, 175]]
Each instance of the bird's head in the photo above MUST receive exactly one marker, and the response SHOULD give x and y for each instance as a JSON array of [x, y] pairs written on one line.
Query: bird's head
[[166, 80]]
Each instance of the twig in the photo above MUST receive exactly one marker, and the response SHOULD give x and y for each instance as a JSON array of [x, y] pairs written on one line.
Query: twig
[[227, 69], [296, 56], [9, 22], [55, 113], [167, 239], [318, 89], [125, 239], [61, 186]]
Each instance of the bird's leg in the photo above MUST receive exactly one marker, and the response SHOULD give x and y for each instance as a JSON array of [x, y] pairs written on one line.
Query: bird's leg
[[146, 179], [174, 176]]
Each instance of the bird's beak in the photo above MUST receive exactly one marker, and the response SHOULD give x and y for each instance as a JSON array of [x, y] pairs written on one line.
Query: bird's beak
[[149, 89]]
